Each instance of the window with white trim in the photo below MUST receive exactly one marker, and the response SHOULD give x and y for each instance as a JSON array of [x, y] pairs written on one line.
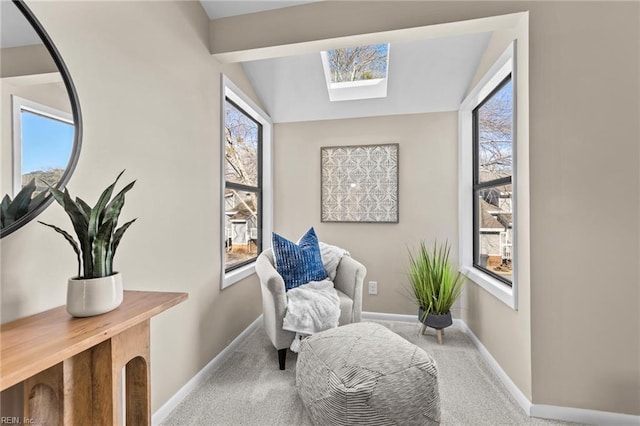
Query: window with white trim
[[42, 143], [492, 183], [246, 183], [487, 181]]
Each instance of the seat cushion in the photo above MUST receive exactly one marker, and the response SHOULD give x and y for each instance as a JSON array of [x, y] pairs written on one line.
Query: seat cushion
[[298, 263]]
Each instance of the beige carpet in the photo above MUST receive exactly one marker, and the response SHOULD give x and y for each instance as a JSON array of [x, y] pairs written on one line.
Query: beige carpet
[[249, 389]]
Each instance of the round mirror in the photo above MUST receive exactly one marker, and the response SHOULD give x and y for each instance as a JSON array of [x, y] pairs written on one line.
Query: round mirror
[[40, 132]]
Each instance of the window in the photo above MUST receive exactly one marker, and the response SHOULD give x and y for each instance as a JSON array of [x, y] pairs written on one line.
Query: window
[[246, 203], [488, 178], [42, 143], [356, 72], [492, 183], [243, 181]]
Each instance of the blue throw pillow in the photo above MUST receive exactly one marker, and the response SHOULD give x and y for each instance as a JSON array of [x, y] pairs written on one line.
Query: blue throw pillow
[[298, 263]]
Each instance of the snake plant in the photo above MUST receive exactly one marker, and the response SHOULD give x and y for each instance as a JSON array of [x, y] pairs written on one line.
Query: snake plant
[[23, 203], [95, 227]]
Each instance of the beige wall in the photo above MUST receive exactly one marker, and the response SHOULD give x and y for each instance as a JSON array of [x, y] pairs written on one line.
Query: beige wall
[[427, 198], [585, 95], [505, 332], [584, 183], [150, 94], [26, 60]]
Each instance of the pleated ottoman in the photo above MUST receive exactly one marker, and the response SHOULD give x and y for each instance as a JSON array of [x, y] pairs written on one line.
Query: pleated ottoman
[[364, 374]]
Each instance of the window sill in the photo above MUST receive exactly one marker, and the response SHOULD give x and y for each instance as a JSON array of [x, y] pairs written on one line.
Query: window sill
[[501, 291], [238, 274]]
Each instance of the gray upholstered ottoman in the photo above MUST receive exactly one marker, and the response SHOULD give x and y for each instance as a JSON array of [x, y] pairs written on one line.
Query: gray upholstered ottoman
[[364, 373]]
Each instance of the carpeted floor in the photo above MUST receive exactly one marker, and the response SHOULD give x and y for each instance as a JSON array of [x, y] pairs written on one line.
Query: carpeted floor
[[249, 389]]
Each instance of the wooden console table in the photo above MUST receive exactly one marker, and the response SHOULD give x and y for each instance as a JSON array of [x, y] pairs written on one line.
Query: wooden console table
[[72, 367]]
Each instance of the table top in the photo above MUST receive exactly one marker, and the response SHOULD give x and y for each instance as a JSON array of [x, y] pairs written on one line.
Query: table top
[[32, 344]]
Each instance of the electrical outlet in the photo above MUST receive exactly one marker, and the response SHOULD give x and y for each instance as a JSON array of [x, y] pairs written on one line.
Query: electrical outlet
[[373, 287]]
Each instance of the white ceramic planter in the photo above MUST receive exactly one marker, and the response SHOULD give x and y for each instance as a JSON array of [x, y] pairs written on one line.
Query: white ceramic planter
[[94, 296]]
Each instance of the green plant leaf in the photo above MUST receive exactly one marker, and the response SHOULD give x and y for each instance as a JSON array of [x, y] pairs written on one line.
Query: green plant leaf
[[56, 193], [101, 245], [19, 206], [97, 212], [117, 236], [112, 211], [4, 216], [80, 225], [38, 199], [84, 207], [69, 238], [117, 197]]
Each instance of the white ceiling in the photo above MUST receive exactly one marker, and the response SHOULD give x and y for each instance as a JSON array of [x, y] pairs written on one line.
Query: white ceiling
[[223, 8], [424, 76], [14, 28]]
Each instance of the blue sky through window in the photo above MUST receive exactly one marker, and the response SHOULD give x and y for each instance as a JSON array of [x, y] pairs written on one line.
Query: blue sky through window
[[46, 142]]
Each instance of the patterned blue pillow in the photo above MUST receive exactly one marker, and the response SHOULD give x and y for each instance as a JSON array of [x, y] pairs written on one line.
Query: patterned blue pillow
[[298, 263]]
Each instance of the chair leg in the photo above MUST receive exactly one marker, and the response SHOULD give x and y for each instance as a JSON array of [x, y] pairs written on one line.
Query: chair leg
[[282, 357]]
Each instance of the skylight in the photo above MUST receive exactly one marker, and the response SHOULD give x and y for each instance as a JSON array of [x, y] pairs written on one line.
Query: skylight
[[356, 72]]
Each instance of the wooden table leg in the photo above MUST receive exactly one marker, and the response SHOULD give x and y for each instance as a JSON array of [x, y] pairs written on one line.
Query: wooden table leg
[[128, 350], [78, 388], [43, 396], [86, 389]]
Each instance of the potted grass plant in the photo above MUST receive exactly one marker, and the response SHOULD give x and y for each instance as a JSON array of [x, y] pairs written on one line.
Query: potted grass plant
[[434, 284], [97, 288]]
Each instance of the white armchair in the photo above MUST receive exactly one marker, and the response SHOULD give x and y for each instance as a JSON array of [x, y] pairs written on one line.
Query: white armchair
[[348, 282]]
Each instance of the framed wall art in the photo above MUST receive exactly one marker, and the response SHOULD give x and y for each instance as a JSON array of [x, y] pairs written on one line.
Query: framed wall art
[[359, 183]]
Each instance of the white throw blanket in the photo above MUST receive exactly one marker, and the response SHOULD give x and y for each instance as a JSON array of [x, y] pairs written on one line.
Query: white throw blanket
[[312, 307], [331, 256]]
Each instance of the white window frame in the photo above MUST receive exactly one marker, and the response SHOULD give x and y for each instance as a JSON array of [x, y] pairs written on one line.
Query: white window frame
[[18, 105], [505, 65], [233, 92], [354, 90]]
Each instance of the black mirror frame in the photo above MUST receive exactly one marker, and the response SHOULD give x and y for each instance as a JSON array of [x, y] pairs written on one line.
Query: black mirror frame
[[75, 109]]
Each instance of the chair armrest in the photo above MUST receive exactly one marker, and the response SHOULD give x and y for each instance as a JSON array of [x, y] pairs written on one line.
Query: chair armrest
[[269, 277], [349, 280], [274, 301]]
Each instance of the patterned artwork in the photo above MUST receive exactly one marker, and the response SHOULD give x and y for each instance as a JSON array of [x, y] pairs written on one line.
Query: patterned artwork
[[359, 183]]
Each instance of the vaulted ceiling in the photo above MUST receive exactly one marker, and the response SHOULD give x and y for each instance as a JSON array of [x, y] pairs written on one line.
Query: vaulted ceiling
[[424, 76], [427, 75]]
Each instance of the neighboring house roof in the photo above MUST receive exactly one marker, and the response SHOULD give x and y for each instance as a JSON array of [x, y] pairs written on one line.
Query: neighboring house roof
[[241, 211], [488, 220]]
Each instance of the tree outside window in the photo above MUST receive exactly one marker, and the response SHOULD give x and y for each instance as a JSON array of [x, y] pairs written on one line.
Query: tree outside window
[[492, 183], [243, 187]]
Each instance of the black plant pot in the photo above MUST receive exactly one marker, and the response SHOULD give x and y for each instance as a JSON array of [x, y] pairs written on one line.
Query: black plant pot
[[435, 321]]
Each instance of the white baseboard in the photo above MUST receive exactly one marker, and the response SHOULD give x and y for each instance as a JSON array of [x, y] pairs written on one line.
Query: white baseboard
[[580, 415], [389, 317], [203, 374], [568, 414], [517, 394]]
